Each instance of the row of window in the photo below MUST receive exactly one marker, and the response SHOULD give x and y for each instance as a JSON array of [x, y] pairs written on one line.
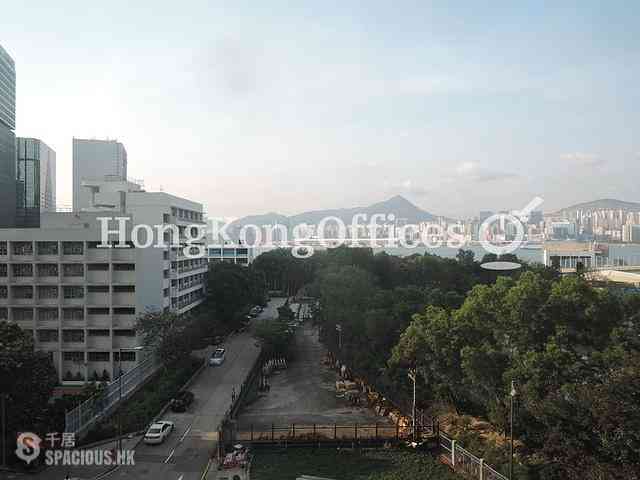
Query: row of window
[[51, 247], [78, 336], [78, 357], [68, 314], [68, 269], [185, 214], [49, 292], [228, 251]]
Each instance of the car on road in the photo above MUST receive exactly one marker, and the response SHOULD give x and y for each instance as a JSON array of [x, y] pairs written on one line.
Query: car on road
[[255, 311], [158, 432], [181, 401], [217, 357]]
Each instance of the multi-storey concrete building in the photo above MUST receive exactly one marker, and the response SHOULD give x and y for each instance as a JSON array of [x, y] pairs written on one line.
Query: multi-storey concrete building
[[7, 140], [81, 301], [95, 160]]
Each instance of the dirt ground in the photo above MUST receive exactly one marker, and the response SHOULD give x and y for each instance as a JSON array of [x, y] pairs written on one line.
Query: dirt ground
[[305, 392]]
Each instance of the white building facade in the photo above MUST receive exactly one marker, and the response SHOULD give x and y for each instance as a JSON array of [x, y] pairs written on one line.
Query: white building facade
[[80, 301], [95, 160]]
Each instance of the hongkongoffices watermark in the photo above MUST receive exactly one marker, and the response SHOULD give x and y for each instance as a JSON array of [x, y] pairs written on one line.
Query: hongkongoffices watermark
[[377, 231], [59, 449]]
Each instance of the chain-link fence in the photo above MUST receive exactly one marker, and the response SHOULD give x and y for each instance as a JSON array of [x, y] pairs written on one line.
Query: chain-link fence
[[95, 407]]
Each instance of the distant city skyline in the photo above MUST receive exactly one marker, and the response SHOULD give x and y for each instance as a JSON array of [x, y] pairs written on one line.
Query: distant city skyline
[[290, 108]]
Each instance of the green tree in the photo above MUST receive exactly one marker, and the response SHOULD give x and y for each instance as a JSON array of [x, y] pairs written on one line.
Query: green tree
[[27, 378], [166, 333]]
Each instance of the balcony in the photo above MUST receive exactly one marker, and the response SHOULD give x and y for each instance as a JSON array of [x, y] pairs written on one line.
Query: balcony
[[48, 323], [124, 299], [72, 323], [22, 301], [98, 298], [99, 320], [48, 301], [124, 321], [124, 276], [123, 254], [49, 279], [73, 302], [124, 342], [27, 324], [22, 279], [98, 254], [99, 343], [73, 280], [75, 346], [48, 346], [98, 276]]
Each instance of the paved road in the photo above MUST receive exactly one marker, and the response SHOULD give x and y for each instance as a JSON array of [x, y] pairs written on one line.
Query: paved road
[[184, 455]]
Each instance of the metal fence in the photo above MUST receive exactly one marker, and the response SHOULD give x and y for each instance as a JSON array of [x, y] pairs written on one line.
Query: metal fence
[[303, 433], [95, 407], [461, 460]]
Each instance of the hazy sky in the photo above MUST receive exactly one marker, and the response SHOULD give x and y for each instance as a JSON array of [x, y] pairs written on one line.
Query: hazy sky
[[287, 106]]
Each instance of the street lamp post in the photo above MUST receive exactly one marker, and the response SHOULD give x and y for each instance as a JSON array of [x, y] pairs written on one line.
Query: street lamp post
[[120, 350], [412, 375], [4, 428], [512, 396]]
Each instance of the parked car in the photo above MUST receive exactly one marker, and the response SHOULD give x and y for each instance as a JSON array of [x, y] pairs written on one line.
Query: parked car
[[217, 357], [182, 400], [158, 432], [255, 311]]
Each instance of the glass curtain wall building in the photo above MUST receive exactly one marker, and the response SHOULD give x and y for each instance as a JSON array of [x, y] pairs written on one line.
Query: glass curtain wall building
[[36, 170], [7, 140]]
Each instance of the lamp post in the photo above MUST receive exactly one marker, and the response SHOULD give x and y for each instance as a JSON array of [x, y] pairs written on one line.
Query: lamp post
[[412, 375], [120, 350], [339, 330], [3, 396], [512, 396]]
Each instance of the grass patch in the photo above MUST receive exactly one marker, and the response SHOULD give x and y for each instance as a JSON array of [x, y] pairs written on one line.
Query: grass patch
[[379, 464]]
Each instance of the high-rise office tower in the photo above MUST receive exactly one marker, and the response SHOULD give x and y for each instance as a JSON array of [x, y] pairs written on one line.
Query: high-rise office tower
[[36, 181], [7, 140], [95, 160]]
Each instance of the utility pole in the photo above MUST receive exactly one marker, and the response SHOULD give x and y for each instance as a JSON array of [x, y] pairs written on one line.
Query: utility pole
[[412, 376], [512, 396], [4, 429]]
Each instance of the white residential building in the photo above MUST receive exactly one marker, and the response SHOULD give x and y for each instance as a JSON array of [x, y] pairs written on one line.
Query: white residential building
[[80, 301]]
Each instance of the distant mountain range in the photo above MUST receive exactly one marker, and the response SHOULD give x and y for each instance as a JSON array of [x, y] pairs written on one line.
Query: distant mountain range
[[398, 206], [602, 204], [403, 210]]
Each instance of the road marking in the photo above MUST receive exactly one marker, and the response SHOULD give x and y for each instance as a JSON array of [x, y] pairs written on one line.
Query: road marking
[[181, 477], [184, 435], [170, 455], [206, 469]]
